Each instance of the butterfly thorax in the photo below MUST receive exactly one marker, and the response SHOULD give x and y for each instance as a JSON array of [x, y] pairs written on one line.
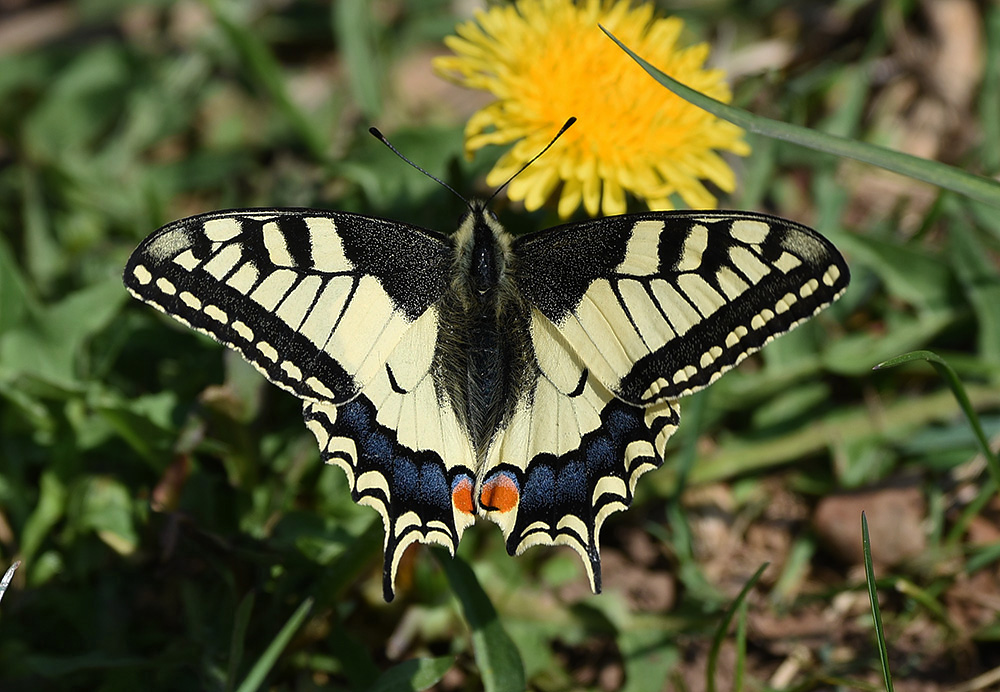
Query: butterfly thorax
[[480, 352]]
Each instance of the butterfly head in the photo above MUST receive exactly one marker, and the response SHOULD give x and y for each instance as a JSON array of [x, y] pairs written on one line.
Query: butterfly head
[[483, 248]]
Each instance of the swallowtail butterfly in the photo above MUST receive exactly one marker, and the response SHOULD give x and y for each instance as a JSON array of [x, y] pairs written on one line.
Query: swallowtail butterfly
[[528, 380]]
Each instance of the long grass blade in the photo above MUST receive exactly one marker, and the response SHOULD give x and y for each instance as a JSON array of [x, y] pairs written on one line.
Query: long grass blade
[[945, 176], [723, 628], [958, 389], [255, 678], [883, 652]]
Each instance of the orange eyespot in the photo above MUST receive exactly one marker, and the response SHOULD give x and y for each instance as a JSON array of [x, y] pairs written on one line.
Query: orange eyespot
[[500, 493], [461, 495]]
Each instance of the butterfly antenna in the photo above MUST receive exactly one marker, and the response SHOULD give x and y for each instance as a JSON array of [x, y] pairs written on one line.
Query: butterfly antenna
[[534, 158], [374, 131]]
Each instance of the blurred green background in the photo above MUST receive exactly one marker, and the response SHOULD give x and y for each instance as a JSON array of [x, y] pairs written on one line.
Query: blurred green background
[[169, 507]]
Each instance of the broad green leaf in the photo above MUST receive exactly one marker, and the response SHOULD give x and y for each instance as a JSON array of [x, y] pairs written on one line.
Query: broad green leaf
[[51, 506], [496, 655], [48, 344], [103, 505], [414, 675], [908, 273]]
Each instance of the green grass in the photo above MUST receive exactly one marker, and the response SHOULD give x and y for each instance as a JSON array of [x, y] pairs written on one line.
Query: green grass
[[176, 529]]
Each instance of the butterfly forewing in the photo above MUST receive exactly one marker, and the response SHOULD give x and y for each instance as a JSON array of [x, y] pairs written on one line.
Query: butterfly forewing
[[315, 300], [658, 305]]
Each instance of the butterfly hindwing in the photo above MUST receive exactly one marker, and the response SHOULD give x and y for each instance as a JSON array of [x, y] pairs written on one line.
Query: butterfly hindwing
[[660, 304], [569, 459], [628, 314]]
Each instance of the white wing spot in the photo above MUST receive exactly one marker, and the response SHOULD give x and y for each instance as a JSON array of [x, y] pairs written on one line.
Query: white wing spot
[[757, 322], [142, 274], [221, 230], [216, 313], [787, 262], [273, 288], [642, 251], [187, 260], [694, 247], [166, 286], [704, 297], [319, 388], [327, 247], [190, 300], [223, 263], [809, 288], [244, 278], [831, 275], [267, 350], [277, 245], [749, 231], [731, 284], [748, 263], [291, 370], [243, 330]]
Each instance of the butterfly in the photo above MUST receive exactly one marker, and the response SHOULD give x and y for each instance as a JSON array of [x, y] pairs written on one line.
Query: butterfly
[[526, 380]]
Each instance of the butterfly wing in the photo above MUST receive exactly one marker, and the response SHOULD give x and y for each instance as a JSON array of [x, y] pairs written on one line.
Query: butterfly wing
[[659, 305], [628, 314], [338, 309]]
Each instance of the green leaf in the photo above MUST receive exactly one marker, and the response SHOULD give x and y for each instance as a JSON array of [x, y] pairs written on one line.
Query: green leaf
[[977, 273], [942, 175], [414, 675], [908, 273], [266, 72], [355, 34], [47, 344], [51, 505], [496, 655], [104, 506]]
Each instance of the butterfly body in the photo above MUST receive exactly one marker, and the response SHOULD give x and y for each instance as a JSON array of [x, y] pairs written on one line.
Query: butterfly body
[[530, 381]]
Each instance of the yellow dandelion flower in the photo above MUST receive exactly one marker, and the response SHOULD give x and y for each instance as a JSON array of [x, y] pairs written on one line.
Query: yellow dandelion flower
[[547, 60]]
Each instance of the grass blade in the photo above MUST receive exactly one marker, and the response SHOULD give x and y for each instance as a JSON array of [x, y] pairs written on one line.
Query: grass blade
[[948, 177], [720, 632], [883, 653], [255, 678], [958, 389], [8, 576], [238, 640]]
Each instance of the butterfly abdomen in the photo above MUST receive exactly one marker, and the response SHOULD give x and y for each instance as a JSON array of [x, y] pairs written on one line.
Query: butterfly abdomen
[[480, 358]]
